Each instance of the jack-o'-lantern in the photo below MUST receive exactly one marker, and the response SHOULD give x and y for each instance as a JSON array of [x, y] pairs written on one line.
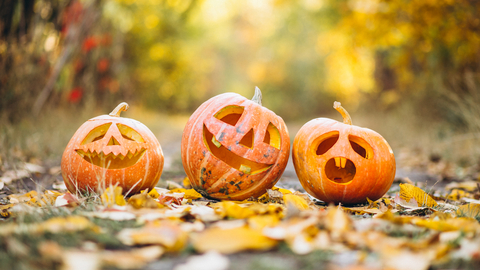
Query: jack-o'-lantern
[[342, 163], [111, 150], [234, 148]]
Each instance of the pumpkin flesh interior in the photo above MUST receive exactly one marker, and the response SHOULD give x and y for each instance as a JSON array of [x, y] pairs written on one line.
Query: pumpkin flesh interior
[[340, 170]]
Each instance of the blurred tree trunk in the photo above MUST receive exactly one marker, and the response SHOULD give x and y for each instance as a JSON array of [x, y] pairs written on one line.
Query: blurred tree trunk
[[6, 16]]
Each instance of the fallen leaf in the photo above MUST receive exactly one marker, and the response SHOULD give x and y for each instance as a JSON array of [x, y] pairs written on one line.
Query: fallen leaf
[[143, 200], [165, 233], [112, 214], [409, 192], [470, 210], [295, 201], [133, 259], [66, 199], [337, 221], [186, 183], [189, 193], [211, 260], [81, 260], [228, 241], [470, 186], [228, 209], [113, 196]]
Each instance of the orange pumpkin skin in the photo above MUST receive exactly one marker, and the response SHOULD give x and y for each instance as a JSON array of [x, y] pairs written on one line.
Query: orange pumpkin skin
[[112, 150], [233, 148], [320, 148]]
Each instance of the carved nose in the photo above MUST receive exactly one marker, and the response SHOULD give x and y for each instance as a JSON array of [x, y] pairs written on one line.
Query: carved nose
[[113, 141], [247, 140]]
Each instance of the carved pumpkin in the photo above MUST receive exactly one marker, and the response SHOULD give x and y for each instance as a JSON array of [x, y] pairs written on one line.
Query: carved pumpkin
[[342, 163], [112, 150], [234, 148]]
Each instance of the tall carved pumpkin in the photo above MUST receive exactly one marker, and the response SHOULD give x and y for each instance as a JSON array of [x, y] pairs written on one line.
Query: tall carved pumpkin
[[342, 163], [234, 148], [112, 150]]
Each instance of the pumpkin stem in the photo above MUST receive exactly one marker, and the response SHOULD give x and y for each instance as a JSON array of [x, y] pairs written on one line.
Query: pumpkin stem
[[121, 107], [257, 97], [346, 117]]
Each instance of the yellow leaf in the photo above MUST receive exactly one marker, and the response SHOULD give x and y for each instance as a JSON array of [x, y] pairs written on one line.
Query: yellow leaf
[[186, 183], [457, 194], [470, 210], [232, 210], [337, 220], [408, 192], [282, 190], [113, 196], [233, 240], [153, 193], [295, 200], [165, 233], [189, 193], [258, 222], [143, 201]]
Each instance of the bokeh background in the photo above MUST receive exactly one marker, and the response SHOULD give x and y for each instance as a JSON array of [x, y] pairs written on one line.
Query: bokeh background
[[407, 69]]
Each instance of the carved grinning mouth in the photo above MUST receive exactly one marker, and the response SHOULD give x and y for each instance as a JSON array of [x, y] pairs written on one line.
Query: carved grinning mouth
[[233, 160], [111, 161], [340, 170]]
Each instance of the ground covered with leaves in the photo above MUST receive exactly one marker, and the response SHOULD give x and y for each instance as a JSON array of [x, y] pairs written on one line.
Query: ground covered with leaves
[[174, 227]]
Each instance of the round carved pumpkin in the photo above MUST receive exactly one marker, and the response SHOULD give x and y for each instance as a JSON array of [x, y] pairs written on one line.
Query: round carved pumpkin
[[342, 163], [234, 148], [112, 150]]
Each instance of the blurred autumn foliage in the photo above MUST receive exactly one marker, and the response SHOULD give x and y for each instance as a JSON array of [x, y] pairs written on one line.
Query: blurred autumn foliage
[[171, 55]]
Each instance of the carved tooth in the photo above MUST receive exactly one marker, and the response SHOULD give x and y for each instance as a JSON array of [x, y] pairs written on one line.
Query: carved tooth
[[130, 155], [337, 162], [217, 143], [81, 153], [344, 162], [245, 168]]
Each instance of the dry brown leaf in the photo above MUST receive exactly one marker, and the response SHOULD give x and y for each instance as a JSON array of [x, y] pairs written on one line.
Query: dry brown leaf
[[233, 240]]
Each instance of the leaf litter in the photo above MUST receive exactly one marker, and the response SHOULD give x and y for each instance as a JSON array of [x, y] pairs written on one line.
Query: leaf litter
[[411, 229]]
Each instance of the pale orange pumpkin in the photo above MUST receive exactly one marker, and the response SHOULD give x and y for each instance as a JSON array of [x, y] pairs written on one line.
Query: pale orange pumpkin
[[234, 148], [342, 163], [111, 150]]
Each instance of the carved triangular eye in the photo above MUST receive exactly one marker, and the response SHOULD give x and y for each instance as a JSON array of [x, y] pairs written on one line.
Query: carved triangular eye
[[230, 114], [129, 133], [272, 136], [361, 147], [96, 134], [247, 140], [327, 141]]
